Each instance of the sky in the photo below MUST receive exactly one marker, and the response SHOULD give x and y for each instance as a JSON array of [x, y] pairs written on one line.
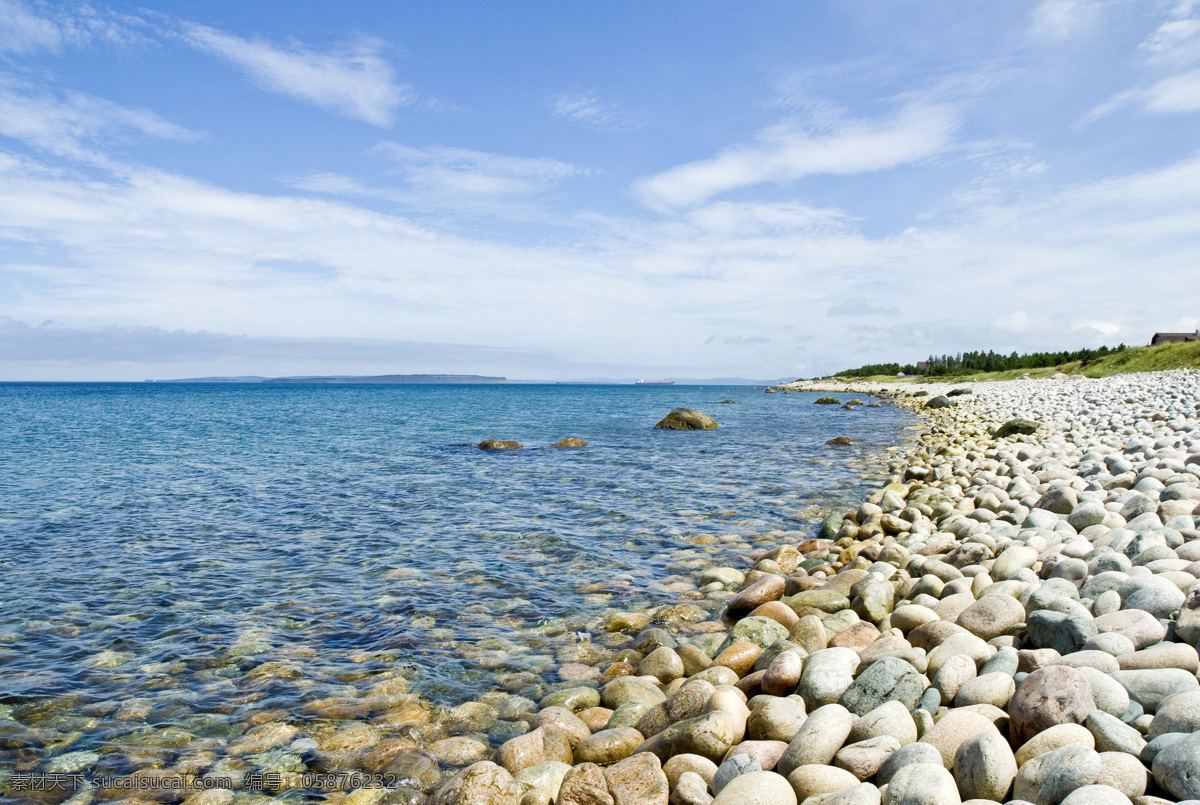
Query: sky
[[566, 191]]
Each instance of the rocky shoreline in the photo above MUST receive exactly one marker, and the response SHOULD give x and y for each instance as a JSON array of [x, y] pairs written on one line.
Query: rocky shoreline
[[1011, 619]]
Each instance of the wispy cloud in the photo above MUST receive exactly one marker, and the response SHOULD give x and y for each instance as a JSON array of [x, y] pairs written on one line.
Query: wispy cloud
[[1057, 20], [23, 32], [1173, 46], [72, 124], [463, 172], [588, 110], [859, 308], [784, 154], [355, 82]]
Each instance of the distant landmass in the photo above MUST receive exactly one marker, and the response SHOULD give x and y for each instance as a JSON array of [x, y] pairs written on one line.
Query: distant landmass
[[330, 380]]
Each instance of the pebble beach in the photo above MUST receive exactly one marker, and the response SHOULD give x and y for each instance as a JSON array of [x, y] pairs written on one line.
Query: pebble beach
[[1013, 618]]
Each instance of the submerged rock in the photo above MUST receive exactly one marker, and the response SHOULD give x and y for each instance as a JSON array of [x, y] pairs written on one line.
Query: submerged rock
[[687, 419], [570, 441], [499, 444], [841, 441]]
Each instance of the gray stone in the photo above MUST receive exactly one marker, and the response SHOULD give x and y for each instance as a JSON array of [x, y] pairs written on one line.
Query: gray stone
[[908, 755], [1149, 687], [1179, 713], [991, 616], [889, 718], [1107, 692], [757, 788], [887, 679], [1177, 767], [690, 789], [1060, 500], [1065, 769], [732, 767], [826, 676], [984, 767], [1096, 795], [1087, 513], [863, 758], [777, 719], [861, 794], [819, 739], [1142, 628], [1112, 734], [1063, 633], [922, 784]]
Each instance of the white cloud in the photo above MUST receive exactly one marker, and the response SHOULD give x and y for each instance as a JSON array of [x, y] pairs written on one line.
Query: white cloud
[[23, 32], [71, 124], [1179, 93], [356, 82], [463, 172], [586, 109], [784, 154], [1057, 20], [1175, 42]]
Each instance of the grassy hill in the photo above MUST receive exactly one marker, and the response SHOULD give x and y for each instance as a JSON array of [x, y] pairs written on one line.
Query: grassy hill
[[1132, 359]]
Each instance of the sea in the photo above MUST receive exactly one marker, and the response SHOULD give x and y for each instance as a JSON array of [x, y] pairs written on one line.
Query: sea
[[178, 557]]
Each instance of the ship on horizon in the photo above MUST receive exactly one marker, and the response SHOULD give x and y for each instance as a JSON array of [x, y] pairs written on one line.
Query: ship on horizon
[[640, 382]]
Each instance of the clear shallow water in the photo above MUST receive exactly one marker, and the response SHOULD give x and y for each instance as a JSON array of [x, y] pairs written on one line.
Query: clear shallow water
[[162, 545]]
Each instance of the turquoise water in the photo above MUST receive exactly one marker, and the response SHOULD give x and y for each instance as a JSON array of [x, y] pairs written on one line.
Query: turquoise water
[[159, 543]]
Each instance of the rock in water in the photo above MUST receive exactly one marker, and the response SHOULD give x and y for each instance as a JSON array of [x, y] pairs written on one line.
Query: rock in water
[[828, 401], [841, 441], [687, 419], [497, 444], [570, 441]]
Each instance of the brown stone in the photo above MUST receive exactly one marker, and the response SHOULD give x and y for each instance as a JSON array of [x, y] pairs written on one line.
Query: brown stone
[[783, 674], [768, 587], [638, 780], [952, 729], [777, 611], [860, 635], [767, 752], [1056, 694], [562, 718], [751, 684], [739, 657], [482, 783], [537, 746], [499, 444], [608, 746], [584, 784], [595, 718], [620, 668]]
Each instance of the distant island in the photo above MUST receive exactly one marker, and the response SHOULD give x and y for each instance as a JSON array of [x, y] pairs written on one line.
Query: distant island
[[331, 380]]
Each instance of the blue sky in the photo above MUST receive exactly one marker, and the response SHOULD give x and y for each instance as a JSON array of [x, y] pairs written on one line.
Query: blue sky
[[570, 190]]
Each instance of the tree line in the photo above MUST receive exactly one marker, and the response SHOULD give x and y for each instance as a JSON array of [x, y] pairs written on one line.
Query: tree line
[[966, 363]]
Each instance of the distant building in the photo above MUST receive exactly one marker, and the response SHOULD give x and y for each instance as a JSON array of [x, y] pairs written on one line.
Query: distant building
[[1174, 338], [922, 365]]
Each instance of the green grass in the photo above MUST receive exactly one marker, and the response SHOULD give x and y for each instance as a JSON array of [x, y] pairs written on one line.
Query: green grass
[[1132, 359]]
